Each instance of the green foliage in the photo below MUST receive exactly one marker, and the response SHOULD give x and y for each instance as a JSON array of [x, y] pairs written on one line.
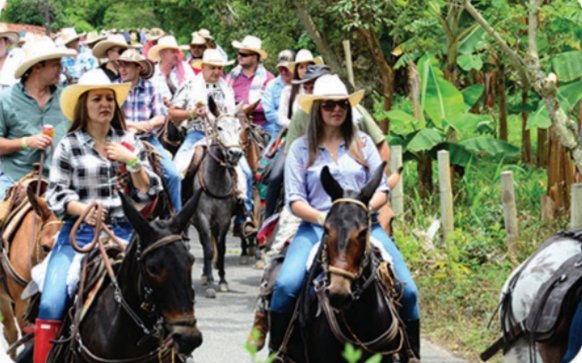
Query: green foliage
[[353, 355]]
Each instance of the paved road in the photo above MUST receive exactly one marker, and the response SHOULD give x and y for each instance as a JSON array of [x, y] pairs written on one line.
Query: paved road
[[226, 320]]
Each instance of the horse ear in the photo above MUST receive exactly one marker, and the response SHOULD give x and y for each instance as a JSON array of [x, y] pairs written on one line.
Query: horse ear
[[140, 224], [238, 108], [180, 221], [370, 188], [330, 185], [213, 107], [38, 204], [252, 107]]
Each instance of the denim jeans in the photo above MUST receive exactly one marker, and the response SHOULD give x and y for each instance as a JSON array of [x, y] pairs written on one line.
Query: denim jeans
[[293, 271], [575, 339], [191, 138], [171, 174], [272, 129], [54, 297], [5, 183]]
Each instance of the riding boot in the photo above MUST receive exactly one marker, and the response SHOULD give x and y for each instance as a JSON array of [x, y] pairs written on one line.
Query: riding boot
[[413, 332], [44, 332], [278, 328], [259, 331], [248, 228]]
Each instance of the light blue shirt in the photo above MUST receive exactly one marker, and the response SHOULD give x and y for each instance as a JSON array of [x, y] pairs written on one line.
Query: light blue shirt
[[271, 101], [305, 184]]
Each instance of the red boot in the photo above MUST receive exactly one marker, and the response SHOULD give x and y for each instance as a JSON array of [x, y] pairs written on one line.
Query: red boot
[[44, 332]]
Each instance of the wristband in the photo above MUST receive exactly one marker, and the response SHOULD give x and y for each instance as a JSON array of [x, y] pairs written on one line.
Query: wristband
[[23, 143], [134, 165], [132, 162], [191, 115], [321, 218]]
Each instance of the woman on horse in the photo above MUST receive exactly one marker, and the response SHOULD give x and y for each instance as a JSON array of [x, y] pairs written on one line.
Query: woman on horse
[[331, 140], [92, 162]]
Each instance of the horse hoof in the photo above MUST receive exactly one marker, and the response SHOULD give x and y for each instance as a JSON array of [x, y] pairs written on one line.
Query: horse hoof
[[244, 260], [204, 280], [210, 293], [259, 265], [223, 287]]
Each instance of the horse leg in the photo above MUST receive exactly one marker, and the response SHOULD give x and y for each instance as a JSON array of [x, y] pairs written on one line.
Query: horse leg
[[10, 329], [244, 255], [204, 235], [221, 251]]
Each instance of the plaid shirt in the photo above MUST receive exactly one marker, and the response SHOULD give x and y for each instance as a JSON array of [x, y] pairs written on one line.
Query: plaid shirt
[[83, 62], [143, 103], [79, 173]]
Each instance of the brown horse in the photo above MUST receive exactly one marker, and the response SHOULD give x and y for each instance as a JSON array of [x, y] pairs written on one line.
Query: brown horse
[[21, 257]]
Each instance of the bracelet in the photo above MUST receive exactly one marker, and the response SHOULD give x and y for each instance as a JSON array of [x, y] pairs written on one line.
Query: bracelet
[[132, 162], [23, 143], [191, 115], [321, 218]]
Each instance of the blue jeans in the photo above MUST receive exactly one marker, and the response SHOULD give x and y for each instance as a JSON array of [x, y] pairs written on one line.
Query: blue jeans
[[54, 297], [293, 271], [191, 138], [273, 129], [575, 339], [171, 174], [246, 169], [5, 183]]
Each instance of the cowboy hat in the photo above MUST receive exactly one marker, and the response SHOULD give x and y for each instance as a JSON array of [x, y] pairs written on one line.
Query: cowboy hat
[[154, 34], [205, 33], [115, 40], [196, 40], [94, 79], [304, 56], [93, 37], [329, 87], [67, 36], [132, 55], [212, 57], [167, 42], [251, 43], [10, 35], [313, 72], [26, 38], [40, 49], [284, 58]]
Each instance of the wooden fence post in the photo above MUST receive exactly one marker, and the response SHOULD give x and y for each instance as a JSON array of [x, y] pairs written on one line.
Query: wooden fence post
[[446, 192], [576, 207], [398, 191], [509, 211], [349, 67]]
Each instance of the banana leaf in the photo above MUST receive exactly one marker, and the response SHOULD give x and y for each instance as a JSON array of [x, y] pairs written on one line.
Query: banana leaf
[[475, 40], [458, 154], [569, 95], [424, 140], [471, 95], [491, 146], [568, 65], [468, 123], [402, 123], [470, 61]]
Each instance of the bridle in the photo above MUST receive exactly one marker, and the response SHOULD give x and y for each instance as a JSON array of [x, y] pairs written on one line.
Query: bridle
[[146, 293]]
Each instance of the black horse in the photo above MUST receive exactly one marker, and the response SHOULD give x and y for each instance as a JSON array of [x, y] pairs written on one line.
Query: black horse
[[148, 314], [353, 301]]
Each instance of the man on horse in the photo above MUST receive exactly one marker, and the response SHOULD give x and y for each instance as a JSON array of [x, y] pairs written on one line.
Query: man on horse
[[195, 50], [145, 113], [74, 66], [273, 91], [28, 106]]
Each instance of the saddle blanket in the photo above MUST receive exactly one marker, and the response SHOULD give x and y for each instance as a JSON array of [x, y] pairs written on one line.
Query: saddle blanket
[[373, 241]]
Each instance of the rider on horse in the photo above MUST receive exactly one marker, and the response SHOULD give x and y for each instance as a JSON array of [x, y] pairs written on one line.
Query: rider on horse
[[93, 161], [195, 50]]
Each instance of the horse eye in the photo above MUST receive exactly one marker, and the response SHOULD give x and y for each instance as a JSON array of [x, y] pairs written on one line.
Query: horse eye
[[363, 234], [45, 249], [219, 128], [154, 270]]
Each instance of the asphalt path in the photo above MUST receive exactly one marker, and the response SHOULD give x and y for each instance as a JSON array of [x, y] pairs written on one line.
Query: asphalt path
[[226, 320]]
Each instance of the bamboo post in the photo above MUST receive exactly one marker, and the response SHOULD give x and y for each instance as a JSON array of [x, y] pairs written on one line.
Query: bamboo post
[[509, 211], [576, 206], [348, 53], [398, 191], [446, 193]]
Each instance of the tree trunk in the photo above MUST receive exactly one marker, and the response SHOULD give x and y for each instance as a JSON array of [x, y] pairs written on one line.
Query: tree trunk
[[526, 153], [451, 68], [560, 174], [424, 170], [502, 99]]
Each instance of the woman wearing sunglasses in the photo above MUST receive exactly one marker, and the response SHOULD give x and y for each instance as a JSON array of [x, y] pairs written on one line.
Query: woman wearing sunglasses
[[331, 140]]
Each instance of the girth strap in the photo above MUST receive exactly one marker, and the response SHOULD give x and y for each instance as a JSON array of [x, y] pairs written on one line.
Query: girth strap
[[506, 341]]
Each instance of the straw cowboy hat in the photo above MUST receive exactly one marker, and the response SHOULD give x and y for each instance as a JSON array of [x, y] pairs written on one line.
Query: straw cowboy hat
[[94, 79], [251, 43], [196, 40], [93, 37], [329, 87], [132, 55], [26, 38], [10, 35], [40, 49], [284, 58], [304, 56], [154, 34], [205, 33], [212, 57], [68, 35], [115, 40], [167, 42]]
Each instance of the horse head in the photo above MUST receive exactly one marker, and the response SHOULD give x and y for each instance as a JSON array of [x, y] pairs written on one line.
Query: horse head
[[346, 238], [165, 266], [227, 128], [49, 225]]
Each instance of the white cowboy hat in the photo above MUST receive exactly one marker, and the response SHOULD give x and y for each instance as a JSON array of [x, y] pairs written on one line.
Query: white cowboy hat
[[329, 87], [167, 42], [284, 58], [132, 55], [212, 57], [205, 33], [154, 34], [68, 35], [40, 49], [115, 40], [304, 56], [93, 37], [251, 43], [10, 35], [94, 79], [196, 40]]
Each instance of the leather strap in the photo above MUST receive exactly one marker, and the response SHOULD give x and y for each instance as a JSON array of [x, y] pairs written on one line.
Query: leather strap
[[515, 333]]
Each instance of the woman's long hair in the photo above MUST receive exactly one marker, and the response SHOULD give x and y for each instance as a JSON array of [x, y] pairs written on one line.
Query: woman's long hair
[[81, 116], [294, 91], [348, 129]]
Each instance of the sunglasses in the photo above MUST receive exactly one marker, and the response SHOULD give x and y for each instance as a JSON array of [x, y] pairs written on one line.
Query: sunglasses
[[117, 50], [330, 105], [243, 55]]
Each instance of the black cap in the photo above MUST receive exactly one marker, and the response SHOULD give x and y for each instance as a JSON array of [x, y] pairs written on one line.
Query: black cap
[[313, 72]]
